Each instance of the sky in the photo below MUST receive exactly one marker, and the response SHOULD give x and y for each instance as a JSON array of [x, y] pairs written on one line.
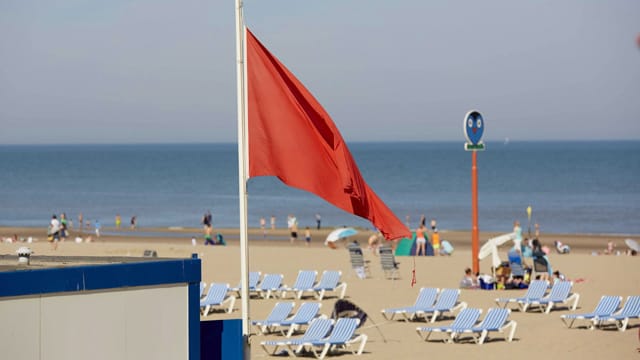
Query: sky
[[163, 71]]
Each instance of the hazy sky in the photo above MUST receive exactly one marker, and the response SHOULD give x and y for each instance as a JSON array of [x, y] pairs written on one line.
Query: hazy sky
[[80, 71]]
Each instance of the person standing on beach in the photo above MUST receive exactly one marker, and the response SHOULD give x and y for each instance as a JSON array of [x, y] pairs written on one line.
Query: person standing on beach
[[80, 221], [517, 241], [263, 224], [98, 226], [64, 225], [318, 221], [307, 236], [118, 221], [208, 232], [207, 219], [423, 220], [435, 238], [133, 222], [421, 240], [292, 224], [273, 222]]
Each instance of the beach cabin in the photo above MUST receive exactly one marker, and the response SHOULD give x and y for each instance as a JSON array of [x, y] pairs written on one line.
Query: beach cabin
[[103, 308]]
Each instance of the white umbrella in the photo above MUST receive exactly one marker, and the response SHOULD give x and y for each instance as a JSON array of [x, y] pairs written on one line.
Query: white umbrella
[[491, 248], [339, 234], [632, 244]]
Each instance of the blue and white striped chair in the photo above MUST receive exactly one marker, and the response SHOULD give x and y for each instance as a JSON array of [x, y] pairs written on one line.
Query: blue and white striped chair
[[466, 319], [330, 281], [306, 313], [536, 291], [605, 308], [269, 285], [304, 283], [217, 296], [317, 330], [278, 314], [496, 320], [447, 302], [560, 294], [342, 335], [630, 310], [425, 300]]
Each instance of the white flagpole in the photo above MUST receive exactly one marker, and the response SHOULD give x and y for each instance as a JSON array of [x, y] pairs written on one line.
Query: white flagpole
[[242, 173]]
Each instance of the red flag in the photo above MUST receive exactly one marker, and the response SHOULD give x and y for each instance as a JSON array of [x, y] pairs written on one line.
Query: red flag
[[292, 137]]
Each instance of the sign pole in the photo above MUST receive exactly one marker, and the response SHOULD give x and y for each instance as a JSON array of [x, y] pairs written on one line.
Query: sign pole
[[475, 233], [473, 130]]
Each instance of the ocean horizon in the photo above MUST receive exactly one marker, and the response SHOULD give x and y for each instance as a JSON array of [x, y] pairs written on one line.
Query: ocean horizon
[[586, 187]]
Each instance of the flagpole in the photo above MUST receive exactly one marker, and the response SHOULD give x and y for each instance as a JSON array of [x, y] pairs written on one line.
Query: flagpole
[[242, 174]]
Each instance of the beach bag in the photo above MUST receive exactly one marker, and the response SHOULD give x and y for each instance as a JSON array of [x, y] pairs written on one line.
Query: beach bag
[[220, 239]]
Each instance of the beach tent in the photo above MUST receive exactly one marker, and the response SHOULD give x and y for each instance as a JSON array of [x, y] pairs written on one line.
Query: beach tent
[[407, 247], [490, 248]]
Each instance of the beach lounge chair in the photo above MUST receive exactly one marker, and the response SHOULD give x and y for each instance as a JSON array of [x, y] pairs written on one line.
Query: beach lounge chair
[[307, 312], [536, 291], [317, 330], [330, 281], [304, 282], [630, 310], [496, 320], [359, 265], [465, 319], [203, 286], [279, 313], [388, 262], [447, 302], [342, 336], [254, 279], [560, 294], [425, 300], [269, 285], [606, 307], [217, 296]]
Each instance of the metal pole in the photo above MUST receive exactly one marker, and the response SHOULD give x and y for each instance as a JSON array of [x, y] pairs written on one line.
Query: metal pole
[[475, 236], [242, 174]]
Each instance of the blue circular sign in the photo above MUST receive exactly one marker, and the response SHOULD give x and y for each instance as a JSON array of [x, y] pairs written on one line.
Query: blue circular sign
[[473, 127]]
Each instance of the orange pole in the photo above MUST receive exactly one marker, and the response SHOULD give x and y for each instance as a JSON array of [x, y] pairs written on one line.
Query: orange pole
[[474, 212]]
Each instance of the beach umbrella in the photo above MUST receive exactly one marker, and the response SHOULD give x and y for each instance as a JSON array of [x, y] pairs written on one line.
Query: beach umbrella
[[340, 234], [632, 244], [490, 248]]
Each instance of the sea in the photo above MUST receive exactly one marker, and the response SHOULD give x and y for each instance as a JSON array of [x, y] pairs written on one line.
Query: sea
[[590, 187]]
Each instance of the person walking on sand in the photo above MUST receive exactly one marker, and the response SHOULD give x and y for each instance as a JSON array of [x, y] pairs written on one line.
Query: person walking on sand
[[292, 224], [273, 222], [118, 221], [54, 231], [307, 236], [421, 240], [133, 222], [318, 221]]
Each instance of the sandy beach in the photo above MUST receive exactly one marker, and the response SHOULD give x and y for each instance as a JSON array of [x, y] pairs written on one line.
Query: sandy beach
[[537, 334]]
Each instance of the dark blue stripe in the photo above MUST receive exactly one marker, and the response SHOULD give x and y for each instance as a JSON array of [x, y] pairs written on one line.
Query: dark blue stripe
[[99, 277]]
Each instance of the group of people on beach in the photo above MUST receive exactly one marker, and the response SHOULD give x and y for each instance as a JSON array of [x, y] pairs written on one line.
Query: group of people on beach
[[422, 238]]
